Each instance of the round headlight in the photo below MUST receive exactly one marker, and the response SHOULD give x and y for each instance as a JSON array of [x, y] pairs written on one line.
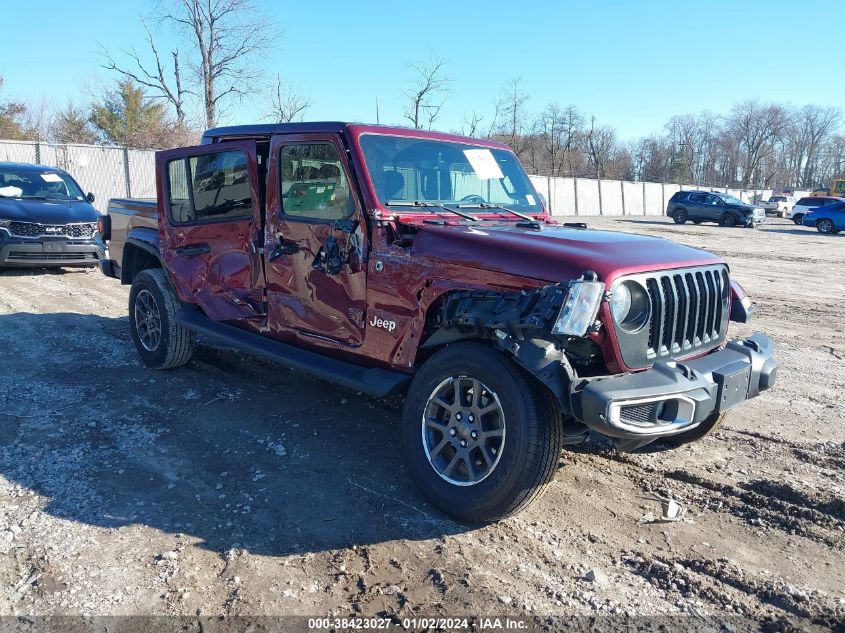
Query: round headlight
[[630, 306], [620, 302]]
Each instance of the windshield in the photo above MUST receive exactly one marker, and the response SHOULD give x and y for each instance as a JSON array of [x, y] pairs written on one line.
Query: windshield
[[407, 169], [731, 199], [29, 184], [777, 199]]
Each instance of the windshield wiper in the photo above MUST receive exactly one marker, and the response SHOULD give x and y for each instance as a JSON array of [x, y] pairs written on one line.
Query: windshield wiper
[[420, 203], [487, 205]]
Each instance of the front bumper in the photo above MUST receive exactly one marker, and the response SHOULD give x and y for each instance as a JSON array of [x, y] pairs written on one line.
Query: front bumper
[[676, 396], [28, 252]]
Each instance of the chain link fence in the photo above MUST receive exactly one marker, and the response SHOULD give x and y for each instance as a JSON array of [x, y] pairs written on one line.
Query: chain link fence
[[107, 172], [118, 172]]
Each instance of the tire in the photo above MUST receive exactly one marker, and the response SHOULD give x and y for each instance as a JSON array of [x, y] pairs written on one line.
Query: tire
[[798, 219], [728, 220], [680, 216], [517, 467], [696, 221], [153, 303], [782, 214], [708, 427], [825, 226]]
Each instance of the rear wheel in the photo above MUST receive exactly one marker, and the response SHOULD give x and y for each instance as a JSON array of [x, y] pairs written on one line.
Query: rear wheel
[[727, 219], [680, 216], [481, 438], [798, 218], [161, 342], [696, 221], [825, 226]]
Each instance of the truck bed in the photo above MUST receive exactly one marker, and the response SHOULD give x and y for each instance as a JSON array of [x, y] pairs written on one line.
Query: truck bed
[[127, 214]]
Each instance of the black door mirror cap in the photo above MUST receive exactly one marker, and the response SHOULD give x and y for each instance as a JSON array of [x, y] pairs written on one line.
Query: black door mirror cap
[[90, 197]]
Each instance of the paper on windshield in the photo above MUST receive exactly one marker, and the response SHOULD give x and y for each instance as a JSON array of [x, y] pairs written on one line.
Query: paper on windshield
[[51, 178], [484, 163], [11, 192]]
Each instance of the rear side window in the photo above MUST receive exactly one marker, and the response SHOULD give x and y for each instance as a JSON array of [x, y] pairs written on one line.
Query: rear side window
[[209, 188], [697, 198], [809, 202]]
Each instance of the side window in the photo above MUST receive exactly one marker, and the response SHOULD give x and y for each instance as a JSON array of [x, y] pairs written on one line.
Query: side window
[[313, 183], [209, 187], [696, 198]]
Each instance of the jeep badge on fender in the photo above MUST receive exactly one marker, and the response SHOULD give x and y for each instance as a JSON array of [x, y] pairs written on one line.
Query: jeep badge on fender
[[383, 323]]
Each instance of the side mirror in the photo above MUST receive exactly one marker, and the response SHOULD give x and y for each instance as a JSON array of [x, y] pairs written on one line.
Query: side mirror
[[90, 197]]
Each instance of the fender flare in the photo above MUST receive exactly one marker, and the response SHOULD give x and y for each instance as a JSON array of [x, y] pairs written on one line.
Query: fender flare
[[143, 239]]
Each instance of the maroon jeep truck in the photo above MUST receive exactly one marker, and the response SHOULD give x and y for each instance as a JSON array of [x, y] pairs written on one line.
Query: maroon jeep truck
[[398, 261]]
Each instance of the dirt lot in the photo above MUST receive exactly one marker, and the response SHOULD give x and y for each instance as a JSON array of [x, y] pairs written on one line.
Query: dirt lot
[[234, 486]]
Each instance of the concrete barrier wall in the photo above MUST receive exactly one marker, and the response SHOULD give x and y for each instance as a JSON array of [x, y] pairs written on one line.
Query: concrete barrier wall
[[118, 172]]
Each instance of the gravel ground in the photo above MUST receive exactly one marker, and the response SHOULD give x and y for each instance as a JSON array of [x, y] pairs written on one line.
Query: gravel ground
[[236, 487]]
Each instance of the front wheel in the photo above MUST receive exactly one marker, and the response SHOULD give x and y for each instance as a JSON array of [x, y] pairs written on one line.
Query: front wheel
[[481, 438], [161, 342], [825, 226], [727, 219]]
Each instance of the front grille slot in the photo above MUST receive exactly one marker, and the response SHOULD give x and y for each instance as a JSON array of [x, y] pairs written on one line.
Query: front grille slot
[[688, 310], [640, 414], [34, 229], [23, 256]]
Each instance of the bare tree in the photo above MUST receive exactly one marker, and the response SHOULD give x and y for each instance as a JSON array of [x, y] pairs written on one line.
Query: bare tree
[[166, 85], [558, 128], [757, 129], [227, 37], [286, 104], [512, 117], [813, 126], [471, 124], [428, 91], [602, 148]]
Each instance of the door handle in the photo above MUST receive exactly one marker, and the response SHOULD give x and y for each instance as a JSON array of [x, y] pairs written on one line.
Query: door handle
[[194, 250]]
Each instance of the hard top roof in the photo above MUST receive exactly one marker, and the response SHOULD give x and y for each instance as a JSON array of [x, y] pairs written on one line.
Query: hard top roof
[[266, 130]]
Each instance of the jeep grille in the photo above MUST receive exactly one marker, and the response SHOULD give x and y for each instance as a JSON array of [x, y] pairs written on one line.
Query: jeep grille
[[689, 313]]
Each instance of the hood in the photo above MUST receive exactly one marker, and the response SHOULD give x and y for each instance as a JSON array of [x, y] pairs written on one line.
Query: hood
[[556, 253], [47, 211], [751, 207]]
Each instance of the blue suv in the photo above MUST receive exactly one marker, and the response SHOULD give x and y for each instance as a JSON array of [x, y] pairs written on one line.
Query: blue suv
[[828, 219]]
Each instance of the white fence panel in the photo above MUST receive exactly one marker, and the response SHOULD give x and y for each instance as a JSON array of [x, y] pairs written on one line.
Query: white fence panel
[[142, 173], [653, 198], [52, 155], [669, 190], [611, 197], [633, 197], [16, 152], [99, 170], [587, 192], [563, 196]]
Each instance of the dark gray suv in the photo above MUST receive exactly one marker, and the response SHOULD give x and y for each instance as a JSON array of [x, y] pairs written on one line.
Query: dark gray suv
[[707, 206]]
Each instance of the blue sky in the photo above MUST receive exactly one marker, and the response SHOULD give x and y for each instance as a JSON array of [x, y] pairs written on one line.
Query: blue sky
[[631, 64]]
